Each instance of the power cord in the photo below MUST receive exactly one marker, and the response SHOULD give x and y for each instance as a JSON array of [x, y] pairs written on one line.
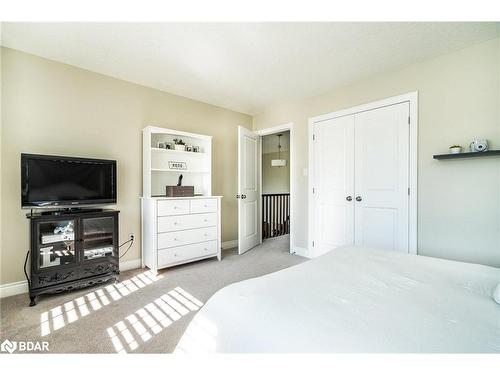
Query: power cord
[[26, 273], [128, 248]]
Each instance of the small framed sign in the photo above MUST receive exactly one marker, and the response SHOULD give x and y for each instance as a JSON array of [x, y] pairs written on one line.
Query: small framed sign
[[177, 165]]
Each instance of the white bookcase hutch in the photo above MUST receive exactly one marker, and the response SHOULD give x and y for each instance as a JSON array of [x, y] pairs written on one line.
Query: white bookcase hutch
[[178, 230], [156, 171]]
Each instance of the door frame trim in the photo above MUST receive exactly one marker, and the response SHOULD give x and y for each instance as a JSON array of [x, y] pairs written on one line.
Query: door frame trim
[[273, 130], [412, 99]]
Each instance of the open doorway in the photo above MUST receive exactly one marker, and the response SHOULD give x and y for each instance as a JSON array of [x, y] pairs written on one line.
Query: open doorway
[[265, 192], [275, 197]]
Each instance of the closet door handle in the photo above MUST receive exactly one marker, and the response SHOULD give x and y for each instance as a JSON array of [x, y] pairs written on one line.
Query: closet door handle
[[348, 198], [358, 198]]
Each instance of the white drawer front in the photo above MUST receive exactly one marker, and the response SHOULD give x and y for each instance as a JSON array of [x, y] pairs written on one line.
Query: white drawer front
[[182, 253], [203, 205], [185, 237], [183, 222], [173, 207]]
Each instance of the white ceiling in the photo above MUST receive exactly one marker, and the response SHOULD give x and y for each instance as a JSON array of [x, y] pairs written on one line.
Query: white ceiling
[[270, 142], [242, 66]]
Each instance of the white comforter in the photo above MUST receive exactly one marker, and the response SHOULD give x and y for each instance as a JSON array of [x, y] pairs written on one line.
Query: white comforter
[[354, 300]]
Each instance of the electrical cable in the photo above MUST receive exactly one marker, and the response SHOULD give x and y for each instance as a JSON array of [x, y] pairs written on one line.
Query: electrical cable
[[128, 248], [25, 273]]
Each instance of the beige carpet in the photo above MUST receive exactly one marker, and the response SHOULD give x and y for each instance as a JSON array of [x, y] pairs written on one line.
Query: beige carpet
[[142, 313]]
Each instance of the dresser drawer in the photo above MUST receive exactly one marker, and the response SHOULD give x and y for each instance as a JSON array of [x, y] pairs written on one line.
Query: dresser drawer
[[173, 207], [182, 253], [203, 205], [183, 222], [185, 237]]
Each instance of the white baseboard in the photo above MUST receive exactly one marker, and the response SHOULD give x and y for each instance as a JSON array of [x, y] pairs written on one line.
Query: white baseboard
[[302, 251], [229, 244], [130, 265], [12, 289], [20, 287]]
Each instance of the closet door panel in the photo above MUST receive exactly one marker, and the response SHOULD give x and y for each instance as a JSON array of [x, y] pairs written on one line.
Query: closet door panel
[[333, 178], [381, 178]]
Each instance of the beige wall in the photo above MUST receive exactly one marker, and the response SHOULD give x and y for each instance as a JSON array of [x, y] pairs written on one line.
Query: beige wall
[[53, 108], [275, 179], [458, 201]]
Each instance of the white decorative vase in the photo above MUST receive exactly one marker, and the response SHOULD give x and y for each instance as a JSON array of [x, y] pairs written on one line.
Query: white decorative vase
[[455, 150], [180, 147]]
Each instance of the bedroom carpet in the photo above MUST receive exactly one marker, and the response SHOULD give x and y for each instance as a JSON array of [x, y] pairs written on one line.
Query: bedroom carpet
[[141, 314]]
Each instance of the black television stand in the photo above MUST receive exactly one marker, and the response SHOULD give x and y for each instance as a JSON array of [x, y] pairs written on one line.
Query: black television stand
[[72, 249]]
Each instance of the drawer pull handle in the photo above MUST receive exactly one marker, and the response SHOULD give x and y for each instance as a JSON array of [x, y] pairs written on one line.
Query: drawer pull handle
[[205, 220], [175, 255], [176, 223]]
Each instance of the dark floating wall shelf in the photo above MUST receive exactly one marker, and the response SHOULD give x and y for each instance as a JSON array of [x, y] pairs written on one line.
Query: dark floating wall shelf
[[464, 155]]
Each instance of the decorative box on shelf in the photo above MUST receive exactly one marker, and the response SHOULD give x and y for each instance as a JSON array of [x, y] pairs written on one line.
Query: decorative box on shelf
[[180, 191]]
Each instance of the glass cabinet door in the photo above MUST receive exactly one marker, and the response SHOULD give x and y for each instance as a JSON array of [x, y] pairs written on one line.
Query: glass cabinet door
[[56, 243], [98, 239]]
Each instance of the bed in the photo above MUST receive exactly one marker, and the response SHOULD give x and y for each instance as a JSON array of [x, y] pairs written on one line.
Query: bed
[[354, 300]]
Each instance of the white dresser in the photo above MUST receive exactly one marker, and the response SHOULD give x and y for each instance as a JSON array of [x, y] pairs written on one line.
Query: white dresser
[[180, 230]]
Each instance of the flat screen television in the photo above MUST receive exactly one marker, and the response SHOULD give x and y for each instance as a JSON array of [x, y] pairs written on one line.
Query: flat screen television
[[60, 181]]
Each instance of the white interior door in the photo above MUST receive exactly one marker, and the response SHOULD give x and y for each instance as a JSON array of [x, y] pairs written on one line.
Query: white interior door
[[333, 184], [248, 190], [382, 178]]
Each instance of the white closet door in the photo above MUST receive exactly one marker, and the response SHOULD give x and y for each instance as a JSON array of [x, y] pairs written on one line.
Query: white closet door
[[381, 178], [333, 181]]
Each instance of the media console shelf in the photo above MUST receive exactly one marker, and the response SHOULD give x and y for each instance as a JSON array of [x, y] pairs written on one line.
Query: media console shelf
[[71, 250], [464, 155]]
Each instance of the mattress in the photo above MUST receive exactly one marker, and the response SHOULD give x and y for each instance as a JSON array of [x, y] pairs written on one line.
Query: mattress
[[354, 300]]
